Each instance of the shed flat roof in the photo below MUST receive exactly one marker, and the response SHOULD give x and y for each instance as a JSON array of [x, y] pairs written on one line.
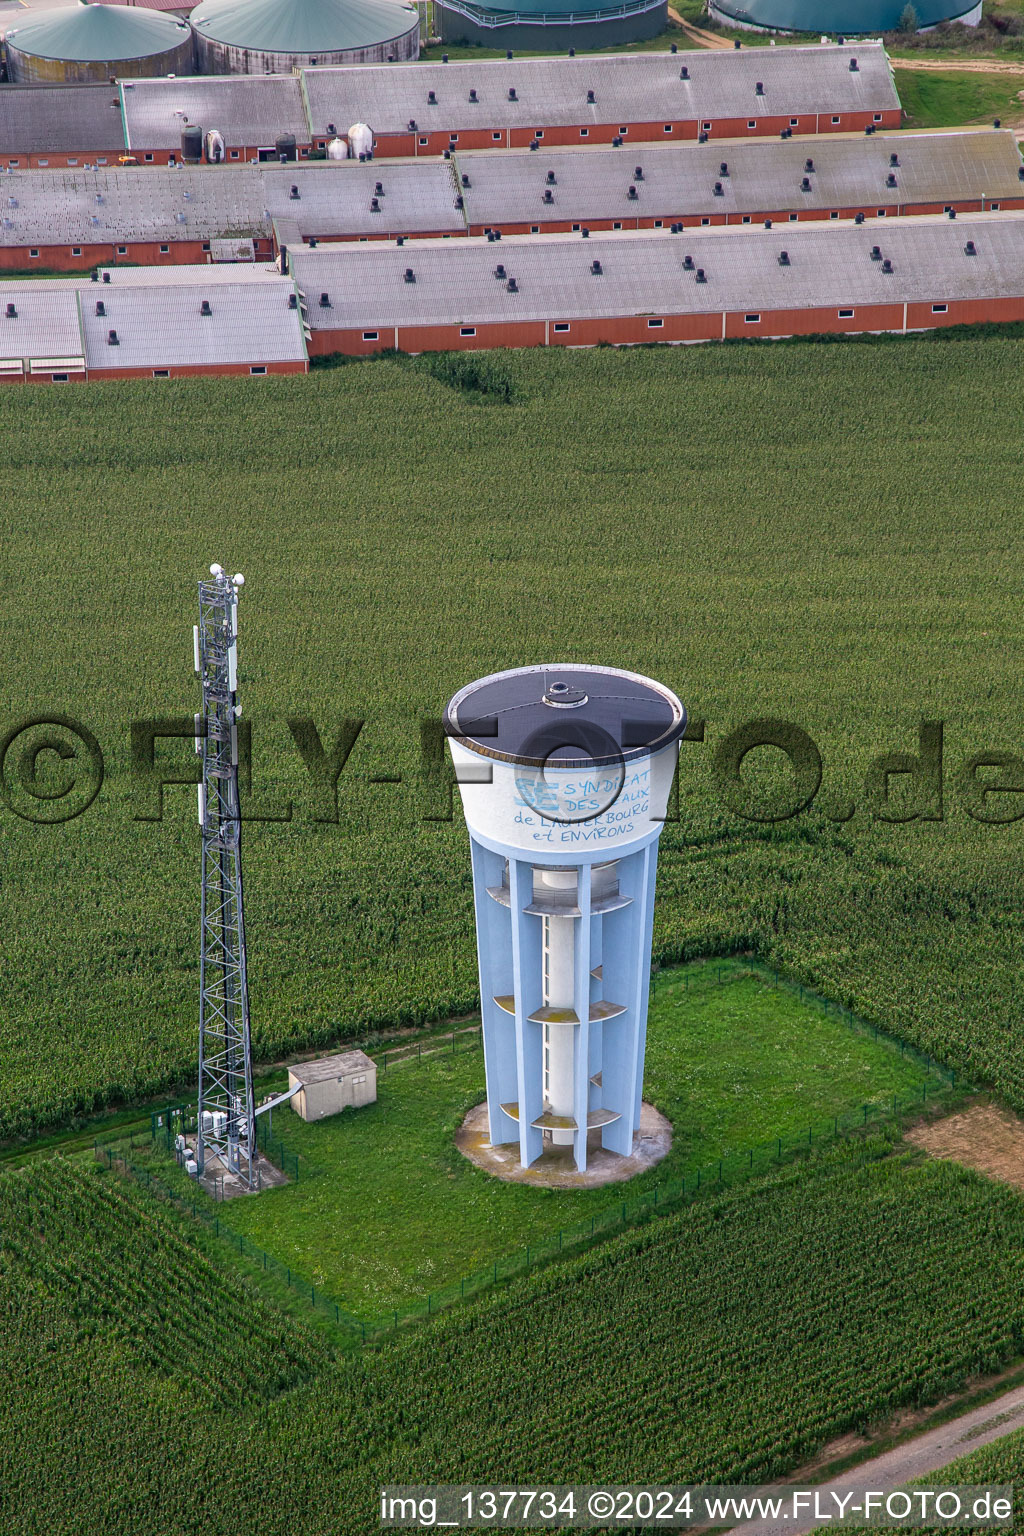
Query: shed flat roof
[[46, 324], [643, 273], [161, 325], [245, 109], [628, 88], [328, 1067], [509, 186], [40, 118], [72, 207], [334, 198]]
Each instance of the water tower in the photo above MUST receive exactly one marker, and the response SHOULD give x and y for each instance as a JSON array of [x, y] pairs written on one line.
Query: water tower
[[565, 773]]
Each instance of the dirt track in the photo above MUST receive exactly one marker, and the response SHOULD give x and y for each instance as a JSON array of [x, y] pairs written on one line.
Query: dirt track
[[927, 1453]]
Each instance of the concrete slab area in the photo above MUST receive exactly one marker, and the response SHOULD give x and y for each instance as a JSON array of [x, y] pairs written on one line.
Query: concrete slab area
[[555, 1168]]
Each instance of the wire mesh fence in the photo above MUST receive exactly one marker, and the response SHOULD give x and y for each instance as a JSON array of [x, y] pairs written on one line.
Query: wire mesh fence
[[936, 1088]]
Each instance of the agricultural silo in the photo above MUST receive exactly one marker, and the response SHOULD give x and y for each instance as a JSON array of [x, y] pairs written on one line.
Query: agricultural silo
[[256, 37], [850, 17], [549, 24], [565, 774], [78, 43]]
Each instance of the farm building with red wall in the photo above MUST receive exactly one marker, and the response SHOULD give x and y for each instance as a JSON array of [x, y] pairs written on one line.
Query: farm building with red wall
[[74, 220], [424, 109], [154, 325], [624, 289]]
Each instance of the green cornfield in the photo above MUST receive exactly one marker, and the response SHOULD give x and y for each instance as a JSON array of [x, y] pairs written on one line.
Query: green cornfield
[[724, 1343], [828, 536]]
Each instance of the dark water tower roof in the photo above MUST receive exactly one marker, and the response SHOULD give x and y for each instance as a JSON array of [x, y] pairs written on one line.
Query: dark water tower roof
[[96, 33], [303, 26], [569, 715]]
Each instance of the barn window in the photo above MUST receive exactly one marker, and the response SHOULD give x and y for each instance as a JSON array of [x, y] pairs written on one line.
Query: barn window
[[361, 1079], [846, 314], [752, 319], [751, 122], [706, 127], [18, 162], [304, 153], [947, 207], [453, 138], [624, 131], [149, 158], [584, 133], [161, 373], [994, 207], [122, 250], [534, 229], [101, 159], [939, 309], [792, 218], [371, 335], [34, 251], [561, 325], [70, 161], [833, 215], [258, 368], [659, 223], [165, 250], [496, 137], [877, 117], [745, 219], [575, 229], [705, 221], [76, 250], [881, 213], [232, 154], [206, 244], [423, 139], [42, 162], [538, 133], [794, 122], [655, 325], [667, 128], [467, 330], [58, 378], [616, 224], [835, 120]]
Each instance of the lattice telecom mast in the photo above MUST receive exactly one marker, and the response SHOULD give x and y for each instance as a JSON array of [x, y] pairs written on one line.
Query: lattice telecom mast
[[227, 1122]]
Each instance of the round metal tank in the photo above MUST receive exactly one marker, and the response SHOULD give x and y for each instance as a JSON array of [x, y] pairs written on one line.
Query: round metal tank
[[256, 37], [852, 17], [83, 43], [550, 24]]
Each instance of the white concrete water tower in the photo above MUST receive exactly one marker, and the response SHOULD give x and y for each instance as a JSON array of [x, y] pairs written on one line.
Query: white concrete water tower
[[565, 774]]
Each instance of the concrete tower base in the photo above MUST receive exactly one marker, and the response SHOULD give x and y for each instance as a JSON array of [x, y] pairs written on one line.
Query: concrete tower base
[[556, 1168]]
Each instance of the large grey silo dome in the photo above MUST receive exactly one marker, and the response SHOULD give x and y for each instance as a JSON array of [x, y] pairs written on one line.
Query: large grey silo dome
[[255, 37], [78, 43]]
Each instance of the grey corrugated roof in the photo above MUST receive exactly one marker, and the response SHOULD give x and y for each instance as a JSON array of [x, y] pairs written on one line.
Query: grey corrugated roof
[[628, 88], [680, 180], [643, 274], [42, 118], [329, 1067], [334, 199], [161, 325], [245, 109], [46, 325], [75, 207]]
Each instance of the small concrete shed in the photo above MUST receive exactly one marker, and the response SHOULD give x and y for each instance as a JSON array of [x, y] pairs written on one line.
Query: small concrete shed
[[332, 1084]]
